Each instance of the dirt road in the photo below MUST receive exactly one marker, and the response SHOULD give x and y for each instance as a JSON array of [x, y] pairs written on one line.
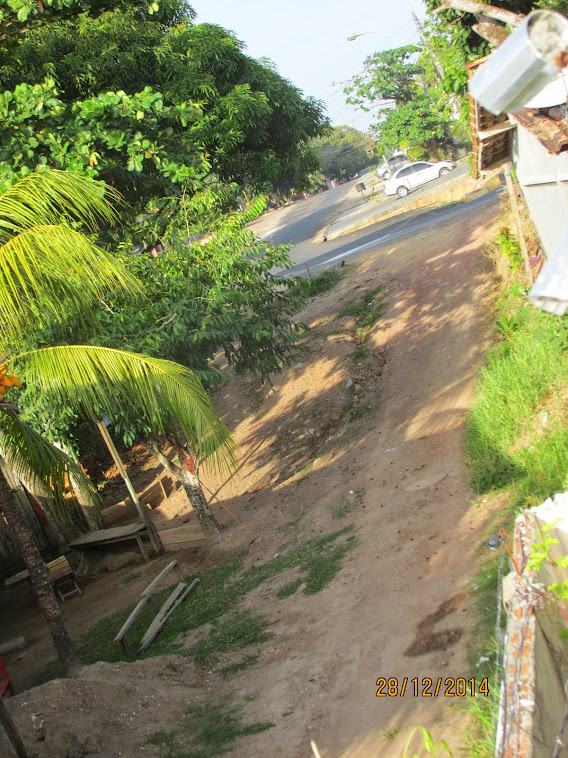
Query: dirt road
[[393, 468]]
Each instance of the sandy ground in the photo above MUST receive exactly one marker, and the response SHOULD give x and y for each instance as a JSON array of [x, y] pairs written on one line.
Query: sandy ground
[[400, 605]]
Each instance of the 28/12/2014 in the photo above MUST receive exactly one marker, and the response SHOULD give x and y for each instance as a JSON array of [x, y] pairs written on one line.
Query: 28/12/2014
[[427, 687]]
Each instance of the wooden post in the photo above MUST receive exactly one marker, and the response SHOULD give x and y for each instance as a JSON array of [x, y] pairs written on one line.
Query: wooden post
[[515, 209], [11, 731], [152, 531]]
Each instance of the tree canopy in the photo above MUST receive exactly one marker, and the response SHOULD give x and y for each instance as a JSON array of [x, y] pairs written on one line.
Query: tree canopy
[[145, 99], [413, 110]]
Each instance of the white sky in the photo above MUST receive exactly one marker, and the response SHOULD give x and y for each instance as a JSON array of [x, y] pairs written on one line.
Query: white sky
[[306, 40]]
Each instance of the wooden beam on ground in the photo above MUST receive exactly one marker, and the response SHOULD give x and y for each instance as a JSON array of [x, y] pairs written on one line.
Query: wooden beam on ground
[[177, 596], [161, 575], [121, 636]]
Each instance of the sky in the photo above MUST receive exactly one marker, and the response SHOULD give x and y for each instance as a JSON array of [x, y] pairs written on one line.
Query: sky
[[307, 40]]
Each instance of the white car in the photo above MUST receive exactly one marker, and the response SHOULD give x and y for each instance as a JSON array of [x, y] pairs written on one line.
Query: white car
[[414, 175]]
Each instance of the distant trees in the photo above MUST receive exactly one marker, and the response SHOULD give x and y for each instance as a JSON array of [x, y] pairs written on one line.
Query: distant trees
[[344, 152]]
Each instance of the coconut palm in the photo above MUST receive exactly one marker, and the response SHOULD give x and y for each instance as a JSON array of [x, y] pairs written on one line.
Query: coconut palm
[[47, 267]]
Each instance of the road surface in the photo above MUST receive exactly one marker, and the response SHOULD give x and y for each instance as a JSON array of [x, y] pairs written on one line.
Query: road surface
[[304, 219], [310, 259]]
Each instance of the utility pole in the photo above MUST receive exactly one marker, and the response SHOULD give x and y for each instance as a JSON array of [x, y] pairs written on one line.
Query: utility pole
[[440, 73], [439, 69]]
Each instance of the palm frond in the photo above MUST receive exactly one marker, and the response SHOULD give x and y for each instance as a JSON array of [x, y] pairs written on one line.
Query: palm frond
[[42, 468], [98, 379], [50, 196], [45, 268]]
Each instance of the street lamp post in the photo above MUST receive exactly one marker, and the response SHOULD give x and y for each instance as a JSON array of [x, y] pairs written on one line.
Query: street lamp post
[[352, 36]]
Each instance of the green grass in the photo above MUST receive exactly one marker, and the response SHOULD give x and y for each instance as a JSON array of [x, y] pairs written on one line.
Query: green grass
[[231, 632], [366, 311], [290, 588], [325, 280], [517, 430], [209, 729], [215, 602]]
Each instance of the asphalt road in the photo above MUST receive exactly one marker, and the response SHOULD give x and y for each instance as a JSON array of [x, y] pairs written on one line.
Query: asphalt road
[[311, 259], [303, 220]]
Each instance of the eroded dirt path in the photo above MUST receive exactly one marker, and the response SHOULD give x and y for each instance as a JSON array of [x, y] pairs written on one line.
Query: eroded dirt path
[[399, 607], [419, 532]]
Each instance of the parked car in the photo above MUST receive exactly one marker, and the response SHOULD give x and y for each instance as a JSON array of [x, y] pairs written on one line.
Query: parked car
[[388, 167], [416, 174]]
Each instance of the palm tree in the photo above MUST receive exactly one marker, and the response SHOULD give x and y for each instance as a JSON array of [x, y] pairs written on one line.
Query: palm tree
[[48, 266]]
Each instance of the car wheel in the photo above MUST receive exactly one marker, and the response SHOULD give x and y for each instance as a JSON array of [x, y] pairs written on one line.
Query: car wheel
[[444, 171], [387, 175], [402, 191]]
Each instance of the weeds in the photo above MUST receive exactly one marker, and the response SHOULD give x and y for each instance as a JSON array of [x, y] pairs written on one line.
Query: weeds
[[209, 730], [366, 312], [509, 247], [517, 430], [359, 411]]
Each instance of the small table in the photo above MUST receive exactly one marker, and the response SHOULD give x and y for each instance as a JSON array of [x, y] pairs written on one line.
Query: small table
[[116, 534]]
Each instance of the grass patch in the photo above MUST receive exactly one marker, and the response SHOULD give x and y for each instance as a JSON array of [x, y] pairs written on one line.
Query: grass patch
[[366, 311], [344, 510], [289, 589], [359, 411], [517, 431], [325, 280], [216, 601], [231, 632], [210, 729], [244, 663], [306, 469]]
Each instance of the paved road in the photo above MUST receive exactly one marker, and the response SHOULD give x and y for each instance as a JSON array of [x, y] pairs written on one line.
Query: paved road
[[301, 221], [305, 218], [318, 257]]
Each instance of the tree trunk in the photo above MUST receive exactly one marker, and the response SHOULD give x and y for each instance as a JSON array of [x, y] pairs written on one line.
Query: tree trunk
[[194, 492], [41, 585], [188, 475], [12, 732]]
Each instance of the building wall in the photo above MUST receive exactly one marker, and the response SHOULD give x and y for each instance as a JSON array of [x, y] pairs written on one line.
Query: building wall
[[544, 181]]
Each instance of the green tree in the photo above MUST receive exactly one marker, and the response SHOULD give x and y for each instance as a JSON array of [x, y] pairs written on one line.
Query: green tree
[[413, 109], [48, 267], [344, 152], [149, 102], [216, 294]]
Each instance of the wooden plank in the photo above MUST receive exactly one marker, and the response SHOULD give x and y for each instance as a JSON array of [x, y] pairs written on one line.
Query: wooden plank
[[14, 644], [189, 532], [161, 618], [177, 597], [15, 578], [118, 511], [109, 535], [130, 620], [158, 579]]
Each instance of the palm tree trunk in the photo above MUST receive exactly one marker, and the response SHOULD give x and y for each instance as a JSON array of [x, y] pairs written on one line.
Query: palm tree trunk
[[188, 475], [40, 581]]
